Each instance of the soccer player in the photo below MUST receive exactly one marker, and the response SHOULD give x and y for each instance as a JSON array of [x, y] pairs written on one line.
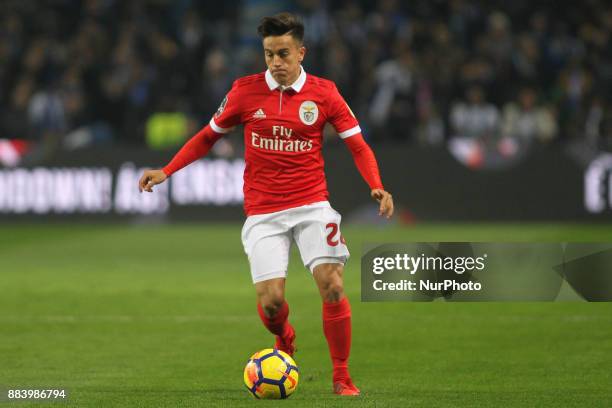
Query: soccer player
[[283, 111]]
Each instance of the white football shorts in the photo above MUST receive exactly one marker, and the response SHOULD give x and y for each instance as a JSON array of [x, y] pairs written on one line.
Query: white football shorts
[[315, 228]]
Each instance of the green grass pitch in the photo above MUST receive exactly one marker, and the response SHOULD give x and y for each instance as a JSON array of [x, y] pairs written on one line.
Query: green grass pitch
[[148, 316]]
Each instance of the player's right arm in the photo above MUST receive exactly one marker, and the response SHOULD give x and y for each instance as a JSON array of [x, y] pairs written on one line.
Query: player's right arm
[[227, 116]]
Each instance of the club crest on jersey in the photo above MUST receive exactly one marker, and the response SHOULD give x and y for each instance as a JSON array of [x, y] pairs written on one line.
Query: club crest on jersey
[[309, 112], [221, 107]]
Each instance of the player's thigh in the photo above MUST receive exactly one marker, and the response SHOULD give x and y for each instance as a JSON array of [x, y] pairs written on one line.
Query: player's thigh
[[267, 245], [319, 238]]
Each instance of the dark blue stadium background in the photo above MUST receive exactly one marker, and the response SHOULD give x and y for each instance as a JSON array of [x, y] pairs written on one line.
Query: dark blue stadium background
[[492, 83]]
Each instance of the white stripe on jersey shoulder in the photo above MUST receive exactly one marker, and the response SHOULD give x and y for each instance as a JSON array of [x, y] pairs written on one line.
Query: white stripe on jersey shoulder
[[350, 132], [217, 128]]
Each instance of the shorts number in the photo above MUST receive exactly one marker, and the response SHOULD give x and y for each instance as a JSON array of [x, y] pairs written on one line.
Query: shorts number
[[332, 234]]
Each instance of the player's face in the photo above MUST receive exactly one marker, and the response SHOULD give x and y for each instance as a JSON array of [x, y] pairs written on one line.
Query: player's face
[[284, 54]]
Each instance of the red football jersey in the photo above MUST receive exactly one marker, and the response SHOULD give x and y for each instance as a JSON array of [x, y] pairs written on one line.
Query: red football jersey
[[283, 136]]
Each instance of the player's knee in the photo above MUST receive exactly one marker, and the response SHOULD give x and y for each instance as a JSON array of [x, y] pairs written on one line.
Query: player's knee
[[329, 279], [271, 296], [334, 292], [332, 289], [271, 306], [271, 302]]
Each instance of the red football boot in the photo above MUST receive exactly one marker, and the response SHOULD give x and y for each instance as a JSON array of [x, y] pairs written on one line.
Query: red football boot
[[287, 342], [346, 387]]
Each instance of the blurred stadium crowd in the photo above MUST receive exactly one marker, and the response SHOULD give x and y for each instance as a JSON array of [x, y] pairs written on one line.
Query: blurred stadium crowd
[[81, 73]]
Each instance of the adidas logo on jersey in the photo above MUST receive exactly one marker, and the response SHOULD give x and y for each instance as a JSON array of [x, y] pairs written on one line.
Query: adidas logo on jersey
[[259, 114]]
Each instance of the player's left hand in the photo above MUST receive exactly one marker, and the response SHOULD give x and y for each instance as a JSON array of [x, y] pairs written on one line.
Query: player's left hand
[[151, 178], [385, 200]]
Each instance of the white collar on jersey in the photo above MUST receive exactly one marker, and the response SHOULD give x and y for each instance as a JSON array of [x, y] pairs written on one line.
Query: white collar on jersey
[[296, 86]]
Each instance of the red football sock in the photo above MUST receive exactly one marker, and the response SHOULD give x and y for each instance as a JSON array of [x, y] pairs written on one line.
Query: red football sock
[[337, 329], [279, 323]]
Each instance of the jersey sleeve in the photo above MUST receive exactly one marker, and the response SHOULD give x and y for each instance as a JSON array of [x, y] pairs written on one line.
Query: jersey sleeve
[[229, 113], [341, 116]]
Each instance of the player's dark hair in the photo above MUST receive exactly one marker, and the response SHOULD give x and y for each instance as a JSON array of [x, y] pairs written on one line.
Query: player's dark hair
[[281, 24]]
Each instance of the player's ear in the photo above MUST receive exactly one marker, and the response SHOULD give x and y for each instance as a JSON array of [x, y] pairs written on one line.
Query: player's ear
[[302, 53]]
